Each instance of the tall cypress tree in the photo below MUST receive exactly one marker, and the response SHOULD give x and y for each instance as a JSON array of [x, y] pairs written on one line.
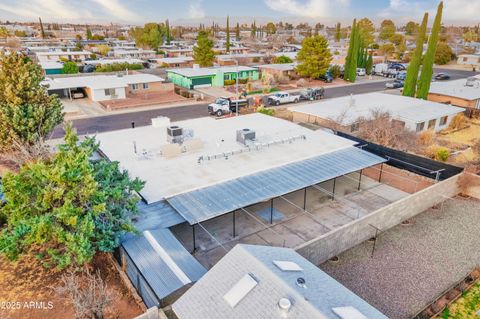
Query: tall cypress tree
[[42, 32], [412, 71], [352, 55], [237, 31], [427, 65], [167, 26], [227, 44]]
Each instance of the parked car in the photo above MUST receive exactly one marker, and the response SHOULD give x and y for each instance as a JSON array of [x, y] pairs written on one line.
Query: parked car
[[327, 78], [361, 72], [311, 94], [283, 98], [394, 84], [401, 76], [442, 77], [89, 68], [225, 105]]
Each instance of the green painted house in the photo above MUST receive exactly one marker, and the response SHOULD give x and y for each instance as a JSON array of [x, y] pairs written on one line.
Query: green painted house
[[52, 67], [203, 77]]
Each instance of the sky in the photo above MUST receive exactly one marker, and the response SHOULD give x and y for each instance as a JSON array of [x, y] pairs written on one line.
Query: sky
[[461, 12]]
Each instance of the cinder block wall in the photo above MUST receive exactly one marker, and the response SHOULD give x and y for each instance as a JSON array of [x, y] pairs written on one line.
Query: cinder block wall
[[337, 241]]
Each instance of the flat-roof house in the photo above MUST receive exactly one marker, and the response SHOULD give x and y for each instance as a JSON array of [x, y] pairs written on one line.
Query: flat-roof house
[[270, 283], [285, 69], [103, 87], [52, 67], [240, 58], [204, 77], [174, 62], [413, 114], [133, 54], [114, 61], [57, 56], [462, 92], [469, 59]]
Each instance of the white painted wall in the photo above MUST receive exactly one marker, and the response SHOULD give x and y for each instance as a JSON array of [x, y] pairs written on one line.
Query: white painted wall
[[413, 125], [99, 94]]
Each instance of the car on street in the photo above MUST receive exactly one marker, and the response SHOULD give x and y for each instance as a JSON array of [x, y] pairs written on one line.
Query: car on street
[[226, 105], [311, 94], [394, 84], [361, 72], [283, 98], [442, 76]]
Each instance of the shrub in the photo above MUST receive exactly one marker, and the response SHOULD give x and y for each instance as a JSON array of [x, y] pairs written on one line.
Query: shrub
[[229, 82], [438, 153], [243, 81], [266, 111], [335, 71], [427, 137], [116, 67], [458, 122], [70, 68]]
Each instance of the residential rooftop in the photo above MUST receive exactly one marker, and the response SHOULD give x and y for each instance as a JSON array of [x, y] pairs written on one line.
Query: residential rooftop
[[112, 61], [457, 88], [347, 110], [166, 177], [196, 71], [100, 81], [260, 279]]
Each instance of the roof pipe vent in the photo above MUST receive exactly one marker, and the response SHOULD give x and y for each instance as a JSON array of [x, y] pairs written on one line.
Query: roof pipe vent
[[284, 304]]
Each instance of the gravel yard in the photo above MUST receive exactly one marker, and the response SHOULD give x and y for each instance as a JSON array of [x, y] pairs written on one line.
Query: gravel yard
[[414, 263]]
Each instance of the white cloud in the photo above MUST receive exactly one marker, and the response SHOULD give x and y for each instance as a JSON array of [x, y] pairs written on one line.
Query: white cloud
[[195, 10], [461, 10], [308, 9], [116, 9]]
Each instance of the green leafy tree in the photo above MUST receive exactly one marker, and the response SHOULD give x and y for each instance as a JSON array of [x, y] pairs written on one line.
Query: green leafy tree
[[366, 31], [369, 64], [387, 49], [203, 52], [283, 59], [470, 36], [387, 29], [27, 113], [411, 28], [66, 208], [3, 32], [397, 39], [427, 64], [227, 43], [70, 68], [103, 49], [414, 66], [271, 28], [338, 32], [89, 34], [150, 35], [314, 58], [444, 53], [237, 32], [253, 32]]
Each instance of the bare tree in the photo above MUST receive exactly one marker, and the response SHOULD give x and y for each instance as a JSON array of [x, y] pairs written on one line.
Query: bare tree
[[87, 292]]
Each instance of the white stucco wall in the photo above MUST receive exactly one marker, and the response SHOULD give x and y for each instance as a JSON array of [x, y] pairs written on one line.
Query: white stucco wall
[[99, 94]]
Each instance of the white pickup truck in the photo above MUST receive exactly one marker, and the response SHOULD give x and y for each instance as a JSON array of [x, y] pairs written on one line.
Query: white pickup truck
[[225, 105], [283, 98]]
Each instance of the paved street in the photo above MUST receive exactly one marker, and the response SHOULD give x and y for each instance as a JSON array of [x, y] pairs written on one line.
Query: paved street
[[124, 120]]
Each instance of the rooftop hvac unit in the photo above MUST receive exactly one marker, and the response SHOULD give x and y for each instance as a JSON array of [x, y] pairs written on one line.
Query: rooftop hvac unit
[[245, 135], [174, 134]]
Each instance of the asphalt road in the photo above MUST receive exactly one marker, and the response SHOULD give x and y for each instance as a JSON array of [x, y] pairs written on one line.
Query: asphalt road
[[121, 121]]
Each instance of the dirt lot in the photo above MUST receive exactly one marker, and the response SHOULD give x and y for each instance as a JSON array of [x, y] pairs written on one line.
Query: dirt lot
[[27, 281]]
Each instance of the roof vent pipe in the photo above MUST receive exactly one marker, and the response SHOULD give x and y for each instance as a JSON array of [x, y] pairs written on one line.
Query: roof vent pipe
[[284, 304]]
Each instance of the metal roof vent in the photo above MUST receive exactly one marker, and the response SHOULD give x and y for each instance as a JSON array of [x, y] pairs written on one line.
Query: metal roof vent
[[175, 134], [284, 304], [301, 282], [245, 135]]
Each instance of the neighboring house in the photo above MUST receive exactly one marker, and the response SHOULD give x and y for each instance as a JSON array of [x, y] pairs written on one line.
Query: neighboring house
[[105, 87], [178, 52], [457, 92], [469, 59], [242, 59], [52, 67], [292, 55], [57, 56], [175, 62], [347, 112], [133, 54], [204, 77], [270, 283], [279, 70], [114, 61]]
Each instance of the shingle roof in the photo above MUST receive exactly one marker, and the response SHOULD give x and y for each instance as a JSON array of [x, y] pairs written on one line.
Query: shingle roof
[[316, 299]]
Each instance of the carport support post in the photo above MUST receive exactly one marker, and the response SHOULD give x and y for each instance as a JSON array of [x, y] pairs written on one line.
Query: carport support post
[[360, 179], [305, 198], [194, 244], [234, 223], [271, 211], [381, 171], [333, 191]]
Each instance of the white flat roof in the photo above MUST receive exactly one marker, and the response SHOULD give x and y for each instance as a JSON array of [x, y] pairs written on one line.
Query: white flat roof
[[279, 66], [112, 61], [51, 65], [123, 51], [100, 81], [348, 109], [60, 53], [179, 59], [166, 177], [191, 72], [456, 88]]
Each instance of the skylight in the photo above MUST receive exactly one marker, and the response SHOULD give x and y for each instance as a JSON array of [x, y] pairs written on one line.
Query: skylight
[[348, 313], [240, 290], [287, 265]]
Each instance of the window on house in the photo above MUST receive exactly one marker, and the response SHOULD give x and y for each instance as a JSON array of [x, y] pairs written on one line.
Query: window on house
[[145, 86], [431, 124], [354, 127], [134, 86], [226, 77], [109, 92], [443, 120], [420, 126]]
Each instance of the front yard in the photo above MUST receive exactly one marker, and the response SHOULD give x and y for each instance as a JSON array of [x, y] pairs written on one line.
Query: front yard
[[466, 307]]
